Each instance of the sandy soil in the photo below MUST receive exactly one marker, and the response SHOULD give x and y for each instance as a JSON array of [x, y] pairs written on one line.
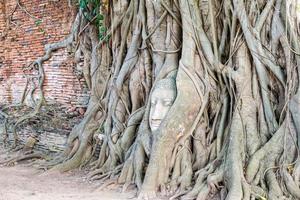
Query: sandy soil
[[25, 183]]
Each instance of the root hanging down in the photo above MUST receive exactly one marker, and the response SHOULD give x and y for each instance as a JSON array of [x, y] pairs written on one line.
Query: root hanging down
[[188, 99]]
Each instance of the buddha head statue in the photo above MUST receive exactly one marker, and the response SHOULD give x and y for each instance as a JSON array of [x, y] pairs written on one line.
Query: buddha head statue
[[162, 98]]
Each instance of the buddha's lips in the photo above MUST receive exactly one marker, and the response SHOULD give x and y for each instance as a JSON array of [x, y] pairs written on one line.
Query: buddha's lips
[[155, 123]]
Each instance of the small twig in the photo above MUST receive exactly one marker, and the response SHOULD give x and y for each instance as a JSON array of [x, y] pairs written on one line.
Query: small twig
[[87, 25], [25, 10], [161, 19], [165, 51], [171, 13]]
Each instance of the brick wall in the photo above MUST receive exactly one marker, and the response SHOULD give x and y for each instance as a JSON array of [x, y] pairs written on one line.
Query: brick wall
[[37, 23]]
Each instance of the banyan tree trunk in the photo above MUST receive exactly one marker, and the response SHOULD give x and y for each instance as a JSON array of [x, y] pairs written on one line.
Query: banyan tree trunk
[[232, 131]]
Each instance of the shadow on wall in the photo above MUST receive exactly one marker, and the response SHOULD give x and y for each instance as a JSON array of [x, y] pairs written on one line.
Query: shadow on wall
[[9, 93], [6, 90]]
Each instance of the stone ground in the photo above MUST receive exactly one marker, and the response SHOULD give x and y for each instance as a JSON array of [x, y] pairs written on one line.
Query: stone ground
[[21, 182]]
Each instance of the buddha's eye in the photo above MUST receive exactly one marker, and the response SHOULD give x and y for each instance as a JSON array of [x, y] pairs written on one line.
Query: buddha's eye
[[153, 103], [167, 103]]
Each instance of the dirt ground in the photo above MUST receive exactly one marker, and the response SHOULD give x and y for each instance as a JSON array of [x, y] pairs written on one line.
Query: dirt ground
[[26, 183]]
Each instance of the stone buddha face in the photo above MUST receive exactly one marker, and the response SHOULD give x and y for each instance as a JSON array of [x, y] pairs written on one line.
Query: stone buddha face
[[162, 98]]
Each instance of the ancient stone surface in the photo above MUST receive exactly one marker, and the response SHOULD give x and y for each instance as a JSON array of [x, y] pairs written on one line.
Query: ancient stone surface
[[24, 30]]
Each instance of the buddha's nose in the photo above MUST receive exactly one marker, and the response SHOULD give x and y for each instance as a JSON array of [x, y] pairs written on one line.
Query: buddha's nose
[[157, 112]]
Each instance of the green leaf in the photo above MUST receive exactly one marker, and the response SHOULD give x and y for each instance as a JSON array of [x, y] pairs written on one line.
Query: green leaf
[[38, 22], [107, 38], [101, 36], [82, 4], [102, 29], [100, 17]]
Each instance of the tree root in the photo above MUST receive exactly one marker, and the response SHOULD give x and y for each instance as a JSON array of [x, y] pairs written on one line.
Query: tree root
[[20, 158], [233, 52]]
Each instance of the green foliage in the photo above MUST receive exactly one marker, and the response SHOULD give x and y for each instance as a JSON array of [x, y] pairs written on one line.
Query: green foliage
[[38, 22], [91, 11]]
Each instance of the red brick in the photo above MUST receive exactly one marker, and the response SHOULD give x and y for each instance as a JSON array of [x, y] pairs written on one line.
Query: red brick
[[25, 42]]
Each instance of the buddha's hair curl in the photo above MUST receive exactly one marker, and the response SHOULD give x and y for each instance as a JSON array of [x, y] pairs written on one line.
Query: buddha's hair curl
[[166, 84]]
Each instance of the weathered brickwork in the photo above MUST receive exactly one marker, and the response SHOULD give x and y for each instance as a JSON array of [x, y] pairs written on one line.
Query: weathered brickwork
[[22, 39]]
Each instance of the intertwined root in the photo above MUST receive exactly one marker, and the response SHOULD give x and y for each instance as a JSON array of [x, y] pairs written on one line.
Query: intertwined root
[[233, 130]]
